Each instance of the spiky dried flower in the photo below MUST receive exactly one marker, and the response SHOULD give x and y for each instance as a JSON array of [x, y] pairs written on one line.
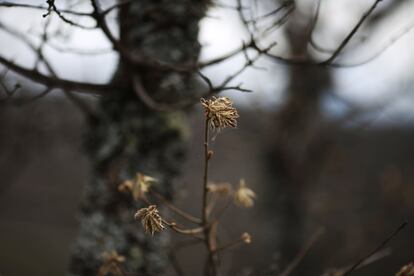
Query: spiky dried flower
[[150, 219], [139, 186], [222, 188], [244, 196], [407, 270], [220, 112], [246, 238], [111, 264]]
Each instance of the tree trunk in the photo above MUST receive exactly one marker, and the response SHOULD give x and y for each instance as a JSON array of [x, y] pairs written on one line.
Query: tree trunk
[[297, 145], [128, 137]]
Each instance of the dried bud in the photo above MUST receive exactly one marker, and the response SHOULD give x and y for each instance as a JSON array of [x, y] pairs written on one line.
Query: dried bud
[[111, 264], [220, 112], [407, 270], [244, 196], [246, 238], [220, 188], [142, 184], [210, 154], [126, 186], [138, 187], [150, 219]]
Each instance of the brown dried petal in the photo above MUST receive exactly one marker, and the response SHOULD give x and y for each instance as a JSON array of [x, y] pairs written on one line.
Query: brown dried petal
[[150, 219], [220, 112]]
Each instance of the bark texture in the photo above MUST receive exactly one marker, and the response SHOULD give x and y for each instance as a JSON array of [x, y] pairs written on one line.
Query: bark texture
[[128, 137]]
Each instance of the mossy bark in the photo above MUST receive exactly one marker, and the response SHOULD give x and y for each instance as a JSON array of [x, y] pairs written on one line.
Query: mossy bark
[[127, 137]]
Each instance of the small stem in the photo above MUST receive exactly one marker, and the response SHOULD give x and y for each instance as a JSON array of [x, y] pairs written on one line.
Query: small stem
[[211, 204], [175, 264], [229, 245], [180, 230], [223, 209], [211, 263], [205, 177], [173, 208], [302, 253], [381, 246]]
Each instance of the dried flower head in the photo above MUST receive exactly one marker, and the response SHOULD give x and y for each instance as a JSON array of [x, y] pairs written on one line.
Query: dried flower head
[[407, 270], [220, 112], [126, 186], [222, 189], [150, 219], [139, 186], [246, 238], [111, 264], [244, 196]]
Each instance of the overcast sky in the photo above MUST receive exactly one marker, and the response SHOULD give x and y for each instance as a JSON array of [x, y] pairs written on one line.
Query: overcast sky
[[383, 78]]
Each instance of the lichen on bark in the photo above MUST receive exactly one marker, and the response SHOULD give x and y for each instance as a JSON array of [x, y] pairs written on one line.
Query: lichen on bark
[[127, 136]]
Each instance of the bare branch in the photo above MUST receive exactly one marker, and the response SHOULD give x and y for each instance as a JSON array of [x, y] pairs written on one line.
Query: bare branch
[[52, 7], [115, 6], [78, 51], [351, 33], [50, 81], [43, 8], [379, 248], [271, 13], [302, 253]]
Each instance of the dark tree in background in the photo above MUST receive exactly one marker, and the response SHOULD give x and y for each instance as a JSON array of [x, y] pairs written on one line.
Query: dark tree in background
[[128, 133], [127, 136]]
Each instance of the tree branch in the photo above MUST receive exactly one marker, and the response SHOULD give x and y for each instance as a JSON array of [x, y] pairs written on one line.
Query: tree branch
[[49, 81]]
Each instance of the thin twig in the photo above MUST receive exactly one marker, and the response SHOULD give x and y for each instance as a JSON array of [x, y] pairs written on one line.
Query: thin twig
[[205, 175], [351, 33], [17, 5], [381, 246], [223, 209], [173, 208], [230, 245], [175, 264], [302, 253], [58, 82], [211, 268], [178, 229], [52, 7]]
